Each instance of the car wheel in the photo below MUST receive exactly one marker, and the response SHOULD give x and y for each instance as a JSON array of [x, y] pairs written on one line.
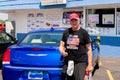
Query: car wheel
[[97, 65], [95, 68]]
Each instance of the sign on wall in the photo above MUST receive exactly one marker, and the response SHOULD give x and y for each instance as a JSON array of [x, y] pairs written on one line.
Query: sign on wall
[[93, 19], [53, 20], [65, 19], [107, 19], [46, 19], [36, 21], [52, 2]]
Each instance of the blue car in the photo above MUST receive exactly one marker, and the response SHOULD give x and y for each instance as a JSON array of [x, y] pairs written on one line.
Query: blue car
[[36, 57]]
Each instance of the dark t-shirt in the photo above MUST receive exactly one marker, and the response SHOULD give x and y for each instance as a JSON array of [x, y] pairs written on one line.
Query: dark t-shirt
[[75, 44]]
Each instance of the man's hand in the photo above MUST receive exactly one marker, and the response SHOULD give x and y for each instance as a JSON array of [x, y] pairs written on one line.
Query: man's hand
[[62, 49], [89, 68], [64, 53]]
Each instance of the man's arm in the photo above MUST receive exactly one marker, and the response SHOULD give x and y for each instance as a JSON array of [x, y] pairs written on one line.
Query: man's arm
[[62, 49], [90, 66]]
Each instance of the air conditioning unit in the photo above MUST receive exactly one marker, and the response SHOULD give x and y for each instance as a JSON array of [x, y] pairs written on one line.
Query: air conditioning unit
[[52, 2]]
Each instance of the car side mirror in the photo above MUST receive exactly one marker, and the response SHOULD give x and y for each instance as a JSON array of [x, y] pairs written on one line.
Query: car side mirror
[[16, 41], [96, 41]]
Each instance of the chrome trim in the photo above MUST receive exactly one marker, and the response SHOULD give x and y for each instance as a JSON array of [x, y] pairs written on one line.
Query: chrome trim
[[36, 54], [36, 68]]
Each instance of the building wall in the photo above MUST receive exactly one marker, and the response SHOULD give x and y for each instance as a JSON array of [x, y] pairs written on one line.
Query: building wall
[[54, 17], [108, 40], [20, 21]]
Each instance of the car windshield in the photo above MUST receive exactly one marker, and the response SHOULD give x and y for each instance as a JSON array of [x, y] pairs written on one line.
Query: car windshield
[[42, 39]]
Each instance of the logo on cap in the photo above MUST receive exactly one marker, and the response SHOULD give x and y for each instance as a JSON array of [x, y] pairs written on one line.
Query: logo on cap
[[73, 16]]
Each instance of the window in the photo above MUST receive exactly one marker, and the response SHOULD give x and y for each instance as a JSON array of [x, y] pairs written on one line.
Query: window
[[6, 38], [101, 18], [42, 38], [1, 39]]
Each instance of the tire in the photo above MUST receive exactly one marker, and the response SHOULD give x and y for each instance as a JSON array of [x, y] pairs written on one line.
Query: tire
[[95, 68], [97, 65]]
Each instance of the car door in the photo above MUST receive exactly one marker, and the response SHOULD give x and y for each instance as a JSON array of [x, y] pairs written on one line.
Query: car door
[[5, 41], [2, 46]]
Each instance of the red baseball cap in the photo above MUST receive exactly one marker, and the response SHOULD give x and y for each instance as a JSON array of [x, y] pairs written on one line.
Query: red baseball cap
[[73, 16]]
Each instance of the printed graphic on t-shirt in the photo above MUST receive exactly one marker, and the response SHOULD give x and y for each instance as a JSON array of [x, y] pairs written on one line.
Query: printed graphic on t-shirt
[[73, 42]]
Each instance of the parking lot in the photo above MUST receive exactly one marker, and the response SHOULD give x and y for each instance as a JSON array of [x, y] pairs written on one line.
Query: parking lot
[[109, 63], [109, 69]]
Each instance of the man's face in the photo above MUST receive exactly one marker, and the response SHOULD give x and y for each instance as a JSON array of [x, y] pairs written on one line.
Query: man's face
[[75, 23]]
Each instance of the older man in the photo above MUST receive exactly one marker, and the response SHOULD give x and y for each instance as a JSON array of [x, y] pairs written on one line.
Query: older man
[[75, 46]]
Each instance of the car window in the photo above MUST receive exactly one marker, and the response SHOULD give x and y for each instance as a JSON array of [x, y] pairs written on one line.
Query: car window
[[6, 37], [42, 38], [1, 39]]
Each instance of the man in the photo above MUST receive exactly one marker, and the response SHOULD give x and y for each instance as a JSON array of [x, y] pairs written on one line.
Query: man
[[75, 46]]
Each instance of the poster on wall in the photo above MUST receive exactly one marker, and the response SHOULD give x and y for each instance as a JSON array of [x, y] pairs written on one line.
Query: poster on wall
[[30, 23], [66, 14], [52, 20], [108, 19], [118, 23], [52, 2], [93, 19], [39, 20], [35, 21]]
